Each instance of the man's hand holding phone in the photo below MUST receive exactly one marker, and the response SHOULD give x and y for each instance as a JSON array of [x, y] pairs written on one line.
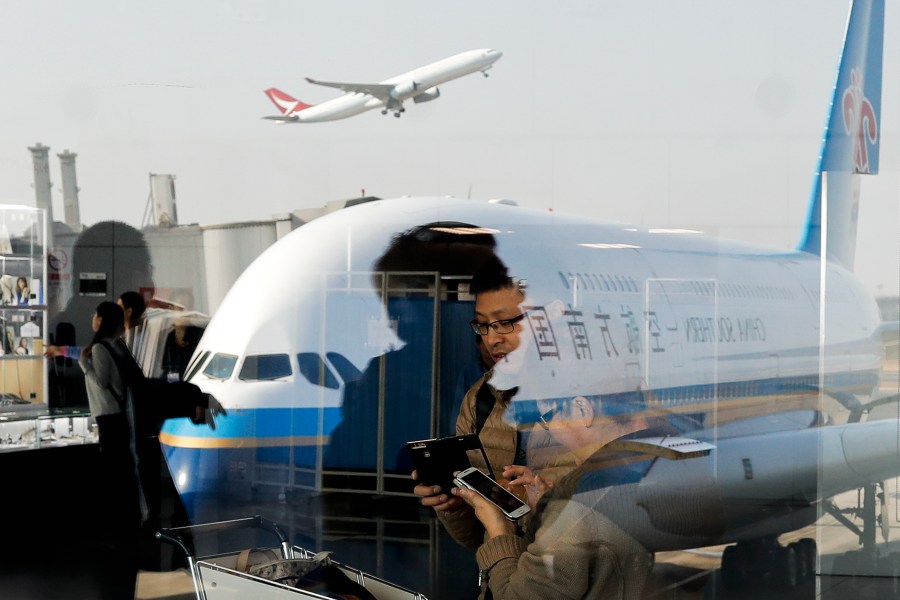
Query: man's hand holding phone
[[433, 496]]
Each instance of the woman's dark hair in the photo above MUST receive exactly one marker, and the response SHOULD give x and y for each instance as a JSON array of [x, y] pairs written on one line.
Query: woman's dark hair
[[136, 303], [112, 321]]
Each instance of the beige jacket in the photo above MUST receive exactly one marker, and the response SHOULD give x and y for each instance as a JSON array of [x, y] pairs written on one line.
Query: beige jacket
[[499, 439]]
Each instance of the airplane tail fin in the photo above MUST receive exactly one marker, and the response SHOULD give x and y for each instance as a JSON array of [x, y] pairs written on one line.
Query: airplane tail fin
[[287, 105], [851, 144]]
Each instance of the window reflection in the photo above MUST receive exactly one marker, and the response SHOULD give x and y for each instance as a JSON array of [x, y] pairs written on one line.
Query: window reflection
[[265, 367], [315, 370], [221, 366]]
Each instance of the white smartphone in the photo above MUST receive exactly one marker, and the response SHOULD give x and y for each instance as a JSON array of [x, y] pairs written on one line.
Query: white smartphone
[[474, 479]]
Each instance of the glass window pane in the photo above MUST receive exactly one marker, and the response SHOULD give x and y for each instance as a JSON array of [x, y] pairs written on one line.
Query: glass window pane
[[221, 366], [265, 367], [315, 370]]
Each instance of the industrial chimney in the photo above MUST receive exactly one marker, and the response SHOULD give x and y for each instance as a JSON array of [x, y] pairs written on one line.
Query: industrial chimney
[[40, 158], [70, 190]]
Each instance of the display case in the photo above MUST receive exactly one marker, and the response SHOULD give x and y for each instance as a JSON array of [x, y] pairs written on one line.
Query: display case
[[30, 429], [23, 308]]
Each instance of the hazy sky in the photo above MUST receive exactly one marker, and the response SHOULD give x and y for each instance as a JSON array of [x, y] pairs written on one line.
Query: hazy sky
[[701, 113]]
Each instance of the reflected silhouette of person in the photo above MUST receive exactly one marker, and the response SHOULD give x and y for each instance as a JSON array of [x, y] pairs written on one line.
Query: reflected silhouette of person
[[110, 249], [402, 379], [118, 252], [410, 260]]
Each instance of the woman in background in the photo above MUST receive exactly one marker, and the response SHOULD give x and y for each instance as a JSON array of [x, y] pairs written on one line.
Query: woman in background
[[105, 383], [106, 389]]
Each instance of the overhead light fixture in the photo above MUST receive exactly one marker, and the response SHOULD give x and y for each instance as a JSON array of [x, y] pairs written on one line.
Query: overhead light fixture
[[604, 246], [674, 230]]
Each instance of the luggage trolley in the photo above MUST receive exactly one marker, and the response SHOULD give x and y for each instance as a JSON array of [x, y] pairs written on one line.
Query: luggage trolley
[[216, 577]]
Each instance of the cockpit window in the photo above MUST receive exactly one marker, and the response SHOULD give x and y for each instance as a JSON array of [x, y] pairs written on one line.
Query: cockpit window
[[346, 369], [221, 366], [265, 367], [195, 365], [316, 371]]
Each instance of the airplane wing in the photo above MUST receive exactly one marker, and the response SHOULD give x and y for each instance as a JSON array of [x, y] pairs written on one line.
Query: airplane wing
[[379, 90], [283, 118], [672, 448]]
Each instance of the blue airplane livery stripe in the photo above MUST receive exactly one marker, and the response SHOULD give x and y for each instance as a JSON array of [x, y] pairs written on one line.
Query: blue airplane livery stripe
[[274, 427]]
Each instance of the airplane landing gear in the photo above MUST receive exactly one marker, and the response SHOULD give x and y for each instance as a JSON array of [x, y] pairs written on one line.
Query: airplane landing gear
[[384, 111]]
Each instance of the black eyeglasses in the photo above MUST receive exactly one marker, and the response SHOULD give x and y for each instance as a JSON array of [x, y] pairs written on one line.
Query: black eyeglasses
[[500, 326]]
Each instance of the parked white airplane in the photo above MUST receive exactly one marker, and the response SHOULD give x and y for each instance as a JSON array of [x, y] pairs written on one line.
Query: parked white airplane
[[419, 84], [768, 360]]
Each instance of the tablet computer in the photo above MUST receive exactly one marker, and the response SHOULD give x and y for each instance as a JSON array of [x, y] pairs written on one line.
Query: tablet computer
[[437, 459]]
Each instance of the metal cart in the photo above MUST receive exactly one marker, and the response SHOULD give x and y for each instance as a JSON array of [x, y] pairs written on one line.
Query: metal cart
[[215, 576]]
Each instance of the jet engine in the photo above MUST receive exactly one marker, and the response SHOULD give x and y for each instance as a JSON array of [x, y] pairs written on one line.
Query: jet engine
[[427, 95]]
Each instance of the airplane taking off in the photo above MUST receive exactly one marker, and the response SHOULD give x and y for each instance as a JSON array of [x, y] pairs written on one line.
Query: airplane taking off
[[419, 84], [767, 360]]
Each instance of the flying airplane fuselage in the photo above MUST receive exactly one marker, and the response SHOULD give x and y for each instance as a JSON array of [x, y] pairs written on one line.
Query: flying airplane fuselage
[[345, 106]]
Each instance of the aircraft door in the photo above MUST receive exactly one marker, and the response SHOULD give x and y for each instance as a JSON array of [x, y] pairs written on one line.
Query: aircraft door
[[664, 356], [393, 399], [461, 364]]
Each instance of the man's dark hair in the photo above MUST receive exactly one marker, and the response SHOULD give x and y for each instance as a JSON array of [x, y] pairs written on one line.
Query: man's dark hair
[[453, 249], [490, 277], [448, 247], [136, 303]]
